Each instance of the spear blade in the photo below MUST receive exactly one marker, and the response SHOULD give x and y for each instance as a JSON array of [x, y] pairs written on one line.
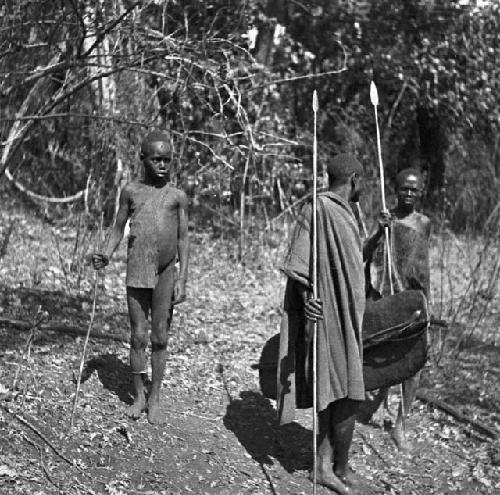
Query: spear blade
[[373, 94], [315, 101]]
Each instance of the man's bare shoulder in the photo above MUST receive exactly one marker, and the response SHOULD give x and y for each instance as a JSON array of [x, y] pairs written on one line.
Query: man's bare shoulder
[[421, 222], [423, 219], [180, 196]]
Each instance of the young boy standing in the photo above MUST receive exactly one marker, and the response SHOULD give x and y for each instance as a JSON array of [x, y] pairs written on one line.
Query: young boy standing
[[158, 235]]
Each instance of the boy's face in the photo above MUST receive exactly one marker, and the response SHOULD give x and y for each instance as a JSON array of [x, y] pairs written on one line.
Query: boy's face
[[157, 159], [408, 191]]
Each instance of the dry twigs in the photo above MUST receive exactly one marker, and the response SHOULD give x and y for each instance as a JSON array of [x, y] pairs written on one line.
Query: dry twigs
[[26, 356], [25, 326], [33, 428], [42, 463], [458, 415]]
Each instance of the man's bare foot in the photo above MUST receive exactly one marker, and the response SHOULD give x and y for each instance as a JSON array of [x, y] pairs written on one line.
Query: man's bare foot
[[346, 477], [154, 413], [330, 480], [135, 410]]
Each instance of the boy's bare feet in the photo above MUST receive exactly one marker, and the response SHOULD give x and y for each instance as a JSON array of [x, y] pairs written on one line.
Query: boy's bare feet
[[154, 413], [135, 410], [327, 477]]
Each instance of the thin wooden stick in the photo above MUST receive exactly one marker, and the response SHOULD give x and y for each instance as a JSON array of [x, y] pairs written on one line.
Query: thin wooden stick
[[241, 251], [40, 452], [486, 430], [39, 318], [91, 322], [25, 326], [315, 288], [33, 428]]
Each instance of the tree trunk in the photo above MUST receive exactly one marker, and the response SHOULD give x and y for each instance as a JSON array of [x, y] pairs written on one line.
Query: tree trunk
[[432, 148]]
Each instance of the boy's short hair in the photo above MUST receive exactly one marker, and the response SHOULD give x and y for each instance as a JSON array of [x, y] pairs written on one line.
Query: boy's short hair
[[342, 166], [153, 137]]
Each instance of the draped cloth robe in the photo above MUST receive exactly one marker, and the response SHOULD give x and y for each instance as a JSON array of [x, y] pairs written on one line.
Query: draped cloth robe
[[341, 287]]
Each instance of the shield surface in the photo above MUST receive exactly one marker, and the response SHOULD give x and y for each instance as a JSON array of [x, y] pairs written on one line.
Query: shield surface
[[394, 341]]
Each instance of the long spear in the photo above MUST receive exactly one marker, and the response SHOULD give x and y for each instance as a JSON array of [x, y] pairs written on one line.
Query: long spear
[[374, 100], [315, 285]]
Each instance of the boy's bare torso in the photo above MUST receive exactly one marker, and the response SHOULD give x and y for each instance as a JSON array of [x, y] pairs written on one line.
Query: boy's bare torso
[[154, 223]]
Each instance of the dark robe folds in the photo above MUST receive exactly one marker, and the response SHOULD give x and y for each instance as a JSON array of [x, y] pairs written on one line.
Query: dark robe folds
[[341, 287]]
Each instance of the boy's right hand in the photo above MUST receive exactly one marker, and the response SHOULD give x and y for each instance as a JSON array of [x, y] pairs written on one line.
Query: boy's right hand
[[99, 260]]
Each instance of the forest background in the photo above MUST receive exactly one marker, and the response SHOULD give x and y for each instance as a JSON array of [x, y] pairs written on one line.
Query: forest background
[[232, 82]]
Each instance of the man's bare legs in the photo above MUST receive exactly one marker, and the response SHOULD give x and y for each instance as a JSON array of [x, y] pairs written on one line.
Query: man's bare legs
[[138, 301], [343, 421], [336, 427], [161, 316], [373, 402], [409, 391]]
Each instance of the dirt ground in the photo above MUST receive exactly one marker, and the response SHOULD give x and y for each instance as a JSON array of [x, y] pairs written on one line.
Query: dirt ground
[[219, 434]]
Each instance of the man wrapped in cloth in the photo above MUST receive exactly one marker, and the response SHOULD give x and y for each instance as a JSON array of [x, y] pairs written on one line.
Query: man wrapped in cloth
[[338, 311], [409, 234]]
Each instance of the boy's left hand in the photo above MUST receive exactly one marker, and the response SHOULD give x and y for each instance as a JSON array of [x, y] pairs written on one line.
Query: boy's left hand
[[179, 291]]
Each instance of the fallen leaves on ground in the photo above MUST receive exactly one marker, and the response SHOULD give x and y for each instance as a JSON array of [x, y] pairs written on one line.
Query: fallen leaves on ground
[[219, 434]]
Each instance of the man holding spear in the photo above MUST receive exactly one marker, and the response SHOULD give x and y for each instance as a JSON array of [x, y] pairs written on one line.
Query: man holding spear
[[337, 312], [399, 263], [410, 236]]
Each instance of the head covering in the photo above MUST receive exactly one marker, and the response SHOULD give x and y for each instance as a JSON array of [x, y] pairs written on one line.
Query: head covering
[[153, 137], [343, 166], [403, 175]]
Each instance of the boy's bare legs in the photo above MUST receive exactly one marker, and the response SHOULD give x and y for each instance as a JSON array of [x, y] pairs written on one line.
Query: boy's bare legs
[[138, 301], [161, 315]]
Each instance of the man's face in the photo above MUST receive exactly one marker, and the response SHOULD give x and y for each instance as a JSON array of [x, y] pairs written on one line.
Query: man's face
[[356, 188], [157, 159], [408, 191]]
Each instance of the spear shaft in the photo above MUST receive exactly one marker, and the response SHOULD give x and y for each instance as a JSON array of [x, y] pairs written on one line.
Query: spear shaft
[[315, 286], [374, 100]]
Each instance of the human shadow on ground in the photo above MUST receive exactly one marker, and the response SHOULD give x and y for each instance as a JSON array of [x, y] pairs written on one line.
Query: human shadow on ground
[[21, 303], [253, 420], [113, 373]]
